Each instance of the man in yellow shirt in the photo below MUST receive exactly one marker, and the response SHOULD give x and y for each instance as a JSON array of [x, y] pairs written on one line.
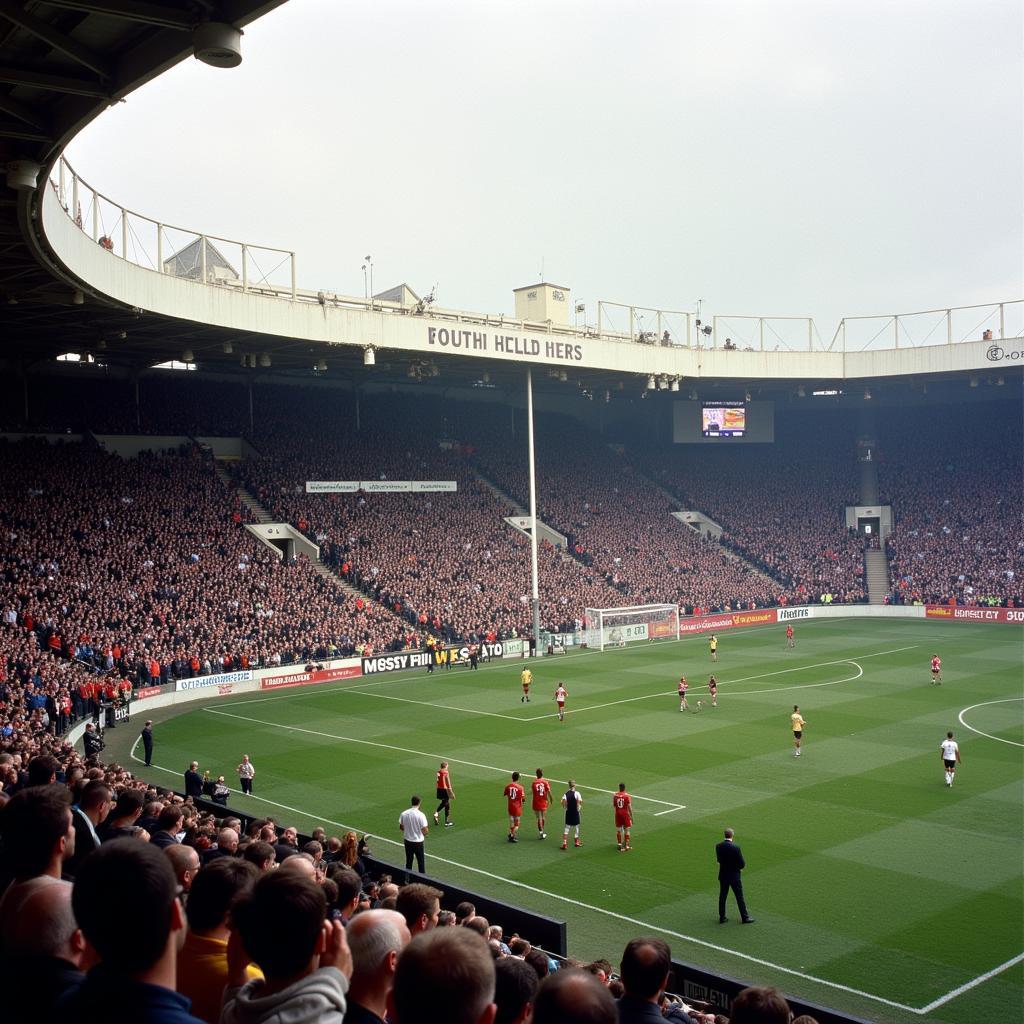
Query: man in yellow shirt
[[713, 647], [798, 728], [203, 959], [527, 677]]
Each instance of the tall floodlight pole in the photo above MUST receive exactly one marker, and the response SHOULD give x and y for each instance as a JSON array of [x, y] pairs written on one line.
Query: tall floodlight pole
[[533, 513]]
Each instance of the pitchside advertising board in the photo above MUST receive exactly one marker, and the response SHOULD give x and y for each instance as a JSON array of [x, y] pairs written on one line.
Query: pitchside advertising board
[[442, 656], [959, 614]]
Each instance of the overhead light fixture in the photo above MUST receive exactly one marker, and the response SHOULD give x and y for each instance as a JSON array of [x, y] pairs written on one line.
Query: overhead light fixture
[[188, 356], [23, 175], [801, 392], [746, 396], [218, 44], [486, 378], [101, 345], [321, 366], [265, 359], [867, 394], [122, 335], [999, 381], [693, 395], [973, 382], [369, 356], [77, 297], [563, 376], [675, 385], [651, 383], [227, 348], [663, 383], [607, 395]]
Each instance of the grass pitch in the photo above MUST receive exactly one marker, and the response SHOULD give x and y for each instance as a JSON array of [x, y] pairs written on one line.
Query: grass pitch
[[876, 888]]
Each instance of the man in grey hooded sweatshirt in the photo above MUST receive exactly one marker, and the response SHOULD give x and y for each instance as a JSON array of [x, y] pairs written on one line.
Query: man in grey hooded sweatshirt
[[281, 926]]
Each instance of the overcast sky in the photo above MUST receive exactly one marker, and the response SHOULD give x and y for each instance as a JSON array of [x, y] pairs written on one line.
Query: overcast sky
[[813, 157]]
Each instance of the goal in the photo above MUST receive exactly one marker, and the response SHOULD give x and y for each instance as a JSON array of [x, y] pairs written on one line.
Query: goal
[[616, 627]]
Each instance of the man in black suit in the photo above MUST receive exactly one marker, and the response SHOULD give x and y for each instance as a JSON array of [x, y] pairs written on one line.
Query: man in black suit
[[147, 742], [86, 816], [730, 864], [193, 781]]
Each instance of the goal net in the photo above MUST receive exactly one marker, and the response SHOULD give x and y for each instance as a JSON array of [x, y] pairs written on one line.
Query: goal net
[[616, 627]]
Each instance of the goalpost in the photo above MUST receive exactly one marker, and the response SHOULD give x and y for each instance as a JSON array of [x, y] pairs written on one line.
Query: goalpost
[[615, 627]]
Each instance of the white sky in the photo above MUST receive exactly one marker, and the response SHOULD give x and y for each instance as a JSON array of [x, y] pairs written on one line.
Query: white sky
[[812, 157]]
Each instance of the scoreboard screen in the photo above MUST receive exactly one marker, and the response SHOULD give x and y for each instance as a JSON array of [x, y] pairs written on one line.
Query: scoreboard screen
[[723, 419]]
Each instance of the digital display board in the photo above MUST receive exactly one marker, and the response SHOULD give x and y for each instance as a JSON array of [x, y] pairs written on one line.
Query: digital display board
[[723, 419]]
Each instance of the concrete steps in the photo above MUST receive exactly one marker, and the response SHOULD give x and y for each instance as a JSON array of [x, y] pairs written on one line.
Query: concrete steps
[[260, 514], [876, 574]]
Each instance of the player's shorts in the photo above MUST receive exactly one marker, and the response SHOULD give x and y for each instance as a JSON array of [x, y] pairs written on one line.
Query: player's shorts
[[623, 821], [950, 765], [514, 814], [540, 808], [526, 687], [798, 734], [936, 671], [560, 703], [442, 794]]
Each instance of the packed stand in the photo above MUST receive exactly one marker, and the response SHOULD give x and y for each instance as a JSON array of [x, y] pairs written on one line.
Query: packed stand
[[120, 900], [444, 561], [957, 531], [619, 523], [141, 571], [782, 506]]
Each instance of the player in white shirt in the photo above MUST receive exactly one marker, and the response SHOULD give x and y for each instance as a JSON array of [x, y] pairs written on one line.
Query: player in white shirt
[[560, 694], [950, 757]]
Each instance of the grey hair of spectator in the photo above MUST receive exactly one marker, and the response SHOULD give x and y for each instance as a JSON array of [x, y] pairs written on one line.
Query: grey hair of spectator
[[372, 936], [444, 967], [572, 996], [45, 925]]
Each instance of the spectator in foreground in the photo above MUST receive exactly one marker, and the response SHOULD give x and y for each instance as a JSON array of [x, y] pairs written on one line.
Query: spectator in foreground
[[281, 927], [516, 984], [420, 905], [376, 938], [644, 970], [448, 971], [203, 959], [126, 903], [757, 1005], [573, 997]]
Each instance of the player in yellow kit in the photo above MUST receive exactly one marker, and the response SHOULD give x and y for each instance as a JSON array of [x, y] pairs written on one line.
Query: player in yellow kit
[[526, 676]]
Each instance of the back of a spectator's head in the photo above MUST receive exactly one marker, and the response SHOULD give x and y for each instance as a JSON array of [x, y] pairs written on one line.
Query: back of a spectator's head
[[573, 996], [464, 911], [126, 903], [281, 921], [538, 960], [480, 925], [170, 818], [261, 854], [349, 885], [129, 804], [419, 904], [184, 861], [516, 984], [36, 826], [645, 967], [94, 796], [42, 770], [215, 889], [444, 967], [373, 936], [759, 1005], [45, 925], [519, 947]]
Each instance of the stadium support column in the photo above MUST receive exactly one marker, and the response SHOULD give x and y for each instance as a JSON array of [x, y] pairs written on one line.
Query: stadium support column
[[535, 594]]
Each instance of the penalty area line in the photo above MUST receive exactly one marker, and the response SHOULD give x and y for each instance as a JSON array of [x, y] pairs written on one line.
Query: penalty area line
[[422, 753]]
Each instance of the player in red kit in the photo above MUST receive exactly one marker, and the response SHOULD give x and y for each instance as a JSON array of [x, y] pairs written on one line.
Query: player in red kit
[[623, 804], [515, 794], [445, 795], [541, 790], [683, 687], [790, 642], [560, 694], [713, 690], [936, 670]]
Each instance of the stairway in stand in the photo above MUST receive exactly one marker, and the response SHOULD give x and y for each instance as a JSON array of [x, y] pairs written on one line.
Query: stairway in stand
[[876, 573], [263, 516]]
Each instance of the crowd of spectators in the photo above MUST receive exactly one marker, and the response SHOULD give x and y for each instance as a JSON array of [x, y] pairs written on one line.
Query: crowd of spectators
[[119, 900], [119, 573], [957, 533], [782, 507]]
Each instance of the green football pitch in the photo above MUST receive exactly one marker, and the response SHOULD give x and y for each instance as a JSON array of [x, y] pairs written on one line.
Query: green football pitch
[[876, 889]]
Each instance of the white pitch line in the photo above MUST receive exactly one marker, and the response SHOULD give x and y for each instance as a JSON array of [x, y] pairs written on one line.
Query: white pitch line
[[434, 704], [658, 814], [420, 753], [973, 983], [743, 679], [644, 925], [988, 736]]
